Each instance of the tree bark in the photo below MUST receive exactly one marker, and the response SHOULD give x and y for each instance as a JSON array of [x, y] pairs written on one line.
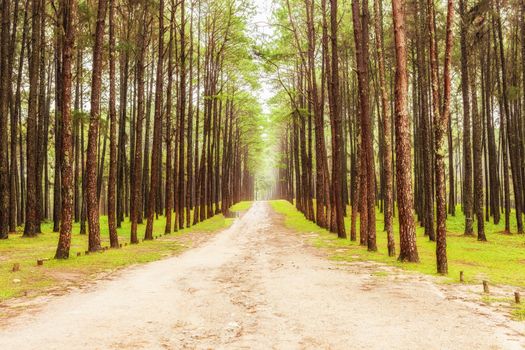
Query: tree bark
[[136, 186], [368, 186], [32, 223], [385, 111], [407, 231], [157, 129], [68, 14], [4, 113], [467, 149], [92, 199], [112, 215], [440, 127]]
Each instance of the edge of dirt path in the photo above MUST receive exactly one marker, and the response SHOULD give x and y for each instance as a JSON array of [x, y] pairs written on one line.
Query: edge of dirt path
[[84, 281], [494, 305]]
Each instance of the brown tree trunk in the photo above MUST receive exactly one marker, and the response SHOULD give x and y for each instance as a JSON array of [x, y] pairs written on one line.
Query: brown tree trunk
[[477, 138], [440, 127], [68, 14], [467, 149], [189, 167], [169, 155], [322, 180], [57, 185], [407, 231], [16, 111], [93, 133], [122, 171], [385, 111], [4, 113], [509, 132], [157, 129], [182, 116], [32, 222], [367, 189], [78, 146], [504, 111], [136, 186], [112, 215]]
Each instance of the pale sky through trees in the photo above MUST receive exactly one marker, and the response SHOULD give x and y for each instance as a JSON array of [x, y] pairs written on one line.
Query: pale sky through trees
[[263, 32]]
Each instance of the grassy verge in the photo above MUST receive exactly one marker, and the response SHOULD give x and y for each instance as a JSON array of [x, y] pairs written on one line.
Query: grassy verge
[[501, 260], [32, 280], [242, 206], [519, 312]]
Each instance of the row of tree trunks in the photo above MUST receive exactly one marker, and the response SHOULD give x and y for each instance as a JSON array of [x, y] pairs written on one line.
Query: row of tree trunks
[[294, 175]]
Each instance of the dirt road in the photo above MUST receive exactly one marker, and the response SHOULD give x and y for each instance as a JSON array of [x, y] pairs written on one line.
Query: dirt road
[[258, 286]]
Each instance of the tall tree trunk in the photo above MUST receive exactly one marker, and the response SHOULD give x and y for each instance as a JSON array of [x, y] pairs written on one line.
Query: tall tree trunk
[[385, 111], [407, 231], [57, 201], [122, 171], [14, 195], [504, 111], [157, 129], [32, 223], [68, 13], [169, 155], [182, 115], [18, 113], [92, 198], [440, 126], [367, 189], [477, 138], [136, 186], [467, 149], [189, 167], [77, 120], [4, 113], [509, 128], [112, 215]]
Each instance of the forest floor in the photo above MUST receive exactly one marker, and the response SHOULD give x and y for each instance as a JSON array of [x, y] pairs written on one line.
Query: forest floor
[[259, 285]]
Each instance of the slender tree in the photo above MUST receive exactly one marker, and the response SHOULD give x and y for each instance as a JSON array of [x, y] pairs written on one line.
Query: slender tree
[[387, 128], [467, 148], [136, 186], [68, 14], [441, 116], [407, 232], [92, 198], [112, 215], [32, 223], [4, 113], [157, 128]]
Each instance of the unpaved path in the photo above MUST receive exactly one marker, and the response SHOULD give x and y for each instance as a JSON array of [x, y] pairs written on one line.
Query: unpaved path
[[258, 286]]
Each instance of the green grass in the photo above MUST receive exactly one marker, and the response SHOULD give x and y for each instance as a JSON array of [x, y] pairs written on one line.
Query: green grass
[[242, 206], [32, 279], [518, 312], [501, 260]]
